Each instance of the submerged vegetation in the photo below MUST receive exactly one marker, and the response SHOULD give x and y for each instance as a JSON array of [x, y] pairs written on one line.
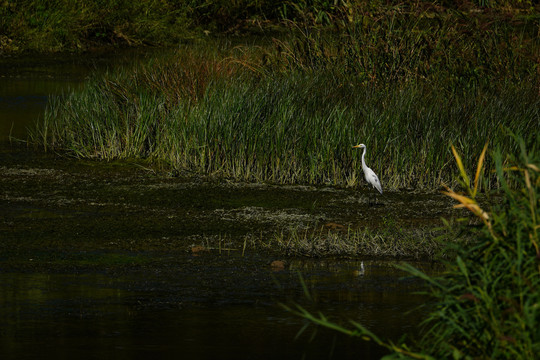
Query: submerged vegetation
[[487, 302], [391, 242]]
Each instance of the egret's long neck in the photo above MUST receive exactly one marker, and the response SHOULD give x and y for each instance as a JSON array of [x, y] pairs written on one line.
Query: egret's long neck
[[364, 166]]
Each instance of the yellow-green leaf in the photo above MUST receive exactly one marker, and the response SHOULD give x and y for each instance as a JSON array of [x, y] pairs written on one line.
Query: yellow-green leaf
[[460, 166], [461, 198], [479, 168]]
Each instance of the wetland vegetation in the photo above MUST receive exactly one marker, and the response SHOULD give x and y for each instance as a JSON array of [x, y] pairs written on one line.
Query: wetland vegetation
[[407, 79], [285, 128], [63, 25]]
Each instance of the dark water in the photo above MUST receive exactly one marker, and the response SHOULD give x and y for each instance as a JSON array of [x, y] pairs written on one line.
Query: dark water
[[27, 82], [96, 260], [218, 307]]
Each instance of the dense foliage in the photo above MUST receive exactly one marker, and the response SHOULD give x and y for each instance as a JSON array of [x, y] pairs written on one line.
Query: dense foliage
[[76, 25], [404, 79]]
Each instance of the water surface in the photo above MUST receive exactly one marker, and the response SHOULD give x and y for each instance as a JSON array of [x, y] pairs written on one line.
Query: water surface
[[27, 82], [213, 307]]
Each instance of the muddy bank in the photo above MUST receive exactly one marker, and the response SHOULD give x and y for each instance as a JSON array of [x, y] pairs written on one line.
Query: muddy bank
[[55, 204]]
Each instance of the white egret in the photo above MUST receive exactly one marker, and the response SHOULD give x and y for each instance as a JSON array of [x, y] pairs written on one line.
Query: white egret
[[369, 174]]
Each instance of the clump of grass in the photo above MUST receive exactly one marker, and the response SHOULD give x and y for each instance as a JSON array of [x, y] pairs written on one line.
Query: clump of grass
[[486, 304], [123, 115], [392, 242]]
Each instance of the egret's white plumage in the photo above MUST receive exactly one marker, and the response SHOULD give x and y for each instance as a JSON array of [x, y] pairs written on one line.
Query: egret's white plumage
[[369, 174]]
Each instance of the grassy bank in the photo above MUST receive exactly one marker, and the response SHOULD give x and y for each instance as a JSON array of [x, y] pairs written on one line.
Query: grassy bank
[[216, 118], [75, 25], [405, 80]]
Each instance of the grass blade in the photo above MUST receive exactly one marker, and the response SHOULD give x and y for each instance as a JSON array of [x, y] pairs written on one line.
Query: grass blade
[[460, 166], [479, 169]]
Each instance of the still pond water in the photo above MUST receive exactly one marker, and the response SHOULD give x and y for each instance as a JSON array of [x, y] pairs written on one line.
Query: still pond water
[[95, 259]]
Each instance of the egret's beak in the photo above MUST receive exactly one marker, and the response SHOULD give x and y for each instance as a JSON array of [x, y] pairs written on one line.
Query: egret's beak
[[356, 146]]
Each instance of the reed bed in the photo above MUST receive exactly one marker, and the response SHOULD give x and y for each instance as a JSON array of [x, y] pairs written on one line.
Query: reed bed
[[218, 118], [407, 82]]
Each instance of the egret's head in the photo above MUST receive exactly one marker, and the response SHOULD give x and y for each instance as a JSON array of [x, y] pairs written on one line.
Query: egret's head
[[361, 146]]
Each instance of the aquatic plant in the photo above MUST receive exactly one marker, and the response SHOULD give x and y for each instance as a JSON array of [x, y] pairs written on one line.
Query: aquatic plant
[[390, 242], [211, 115], [487, 303]]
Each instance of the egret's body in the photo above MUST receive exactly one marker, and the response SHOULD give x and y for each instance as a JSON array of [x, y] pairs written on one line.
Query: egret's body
[[369, 174]]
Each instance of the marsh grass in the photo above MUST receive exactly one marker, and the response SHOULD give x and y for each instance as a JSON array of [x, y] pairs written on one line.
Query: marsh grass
[[487, 302], [399, 45], [215, 117], [406, 81], [390, 242]]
